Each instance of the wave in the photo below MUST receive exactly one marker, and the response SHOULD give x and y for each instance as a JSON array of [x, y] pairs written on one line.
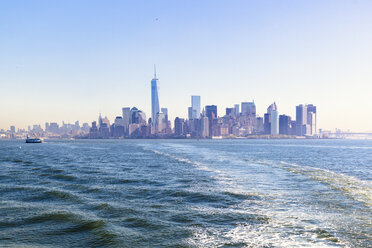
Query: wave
[[179, 159], [56, 195], [358, 189]]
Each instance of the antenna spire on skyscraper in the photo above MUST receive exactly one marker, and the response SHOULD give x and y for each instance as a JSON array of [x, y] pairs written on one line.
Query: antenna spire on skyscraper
[[155, 71]]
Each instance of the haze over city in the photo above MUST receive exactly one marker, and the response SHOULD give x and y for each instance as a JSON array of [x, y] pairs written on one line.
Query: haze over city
[[69, 61]]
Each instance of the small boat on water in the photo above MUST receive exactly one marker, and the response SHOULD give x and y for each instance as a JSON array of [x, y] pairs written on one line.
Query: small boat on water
[[33, 140]]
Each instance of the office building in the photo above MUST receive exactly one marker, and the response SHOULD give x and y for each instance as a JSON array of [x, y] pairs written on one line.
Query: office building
[[301, 120], [204, 127], [118, 127], [189, 113], [274, 122], [230, 111], [154, 97], [179, 126], [195, 105], [126, 118], [211, 111], [165, 112], [311, 118], [284, 125], [160, 124], [267, 118], [237, 112], [248, 108]]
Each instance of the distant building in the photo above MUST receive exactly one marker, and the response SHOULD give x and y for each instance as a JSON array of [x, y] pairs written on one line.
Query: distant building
[[46, 126], [311, 118], [126, 118], [248, 108], [118, 127], [54, 128], [165, 112], [154, 96], [267, 123], [93, 132], [230, 111], [267, 118], [189, 112], [85, 127], [274, 122], [179, 126], [137, 116], [259, 125], [211, 111], [237, 112], [160, 124], [284, 125], [195, 106], [205, 127], [301, 120]]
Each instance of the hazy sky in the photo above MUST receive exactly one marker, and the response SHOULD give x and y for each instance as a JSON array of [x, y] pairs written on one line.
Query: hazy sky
[[70, 60]]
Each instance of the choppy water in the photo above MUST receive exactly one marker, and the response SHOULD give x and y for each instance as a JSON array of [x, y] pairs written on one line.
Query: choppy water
[[186, 193]]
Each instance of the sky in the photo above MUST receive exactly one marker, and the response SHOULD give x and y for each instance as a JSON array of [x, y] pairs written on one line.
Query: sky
[[73, 59]]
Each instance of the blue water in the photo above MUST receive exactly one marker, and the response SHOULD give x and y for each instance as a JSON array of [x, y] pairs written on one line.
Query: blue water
[[186, 193]]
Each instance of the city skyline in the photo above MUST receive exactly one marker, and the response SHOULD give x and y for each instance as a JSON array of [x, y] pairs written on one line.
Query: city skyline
[[207, 124], [69, 61], [193, 112]]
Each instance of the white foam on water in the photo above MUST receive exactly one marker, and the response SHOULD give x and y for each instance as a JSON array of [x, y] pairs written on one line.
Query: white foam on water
[[281, 230], [356, 188], [180, 159], [286, 226]]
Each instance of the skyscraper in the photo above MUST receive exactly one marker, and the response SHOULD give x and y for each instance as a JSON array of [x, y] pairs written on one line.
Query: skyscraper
[[154, 97], [126, 118], [204, 127], [249, 108], [236, 107], [301, 120], [189, 112], [165, 112], [274, 122], [179, 126], [284, 124], [211, 111], [311, 118], [267, 118], [195, 105]]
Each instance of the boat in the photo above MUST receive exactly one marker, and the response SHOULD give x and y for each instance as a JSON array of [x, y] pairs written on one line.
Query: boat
[[34, 140]]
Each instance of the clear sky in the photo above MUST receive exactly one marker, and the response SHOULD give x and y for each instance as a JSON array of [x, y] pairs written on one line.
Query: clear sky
[[69, 60]]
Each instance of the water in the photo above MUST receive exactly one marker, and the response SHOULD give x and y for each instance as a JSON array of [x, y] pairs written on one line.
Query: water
[[186, 193]]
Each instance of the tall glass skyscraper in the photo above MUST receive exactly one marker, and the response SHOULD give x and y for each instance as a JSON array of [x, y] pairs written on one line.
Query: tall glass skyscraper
[[195, 105], [154, 97]]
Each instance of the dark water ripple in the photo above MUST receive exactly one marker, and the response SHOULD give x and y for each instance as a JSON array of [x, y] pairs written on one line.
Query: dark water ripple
[[152, 193]]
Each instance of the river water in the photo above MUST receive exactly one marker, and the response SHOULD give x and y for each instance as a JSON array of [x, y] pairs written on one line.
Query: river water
[[186, 193]]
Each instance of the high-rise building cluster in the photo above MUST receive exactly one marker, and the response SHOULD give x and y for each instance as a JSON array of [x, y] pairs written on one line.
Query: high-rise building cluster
[[240, 120]]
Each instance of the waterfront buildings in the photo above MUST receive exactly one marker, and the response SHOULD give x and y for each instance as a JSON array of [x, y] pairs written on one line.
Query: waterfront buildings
[[199, 124]]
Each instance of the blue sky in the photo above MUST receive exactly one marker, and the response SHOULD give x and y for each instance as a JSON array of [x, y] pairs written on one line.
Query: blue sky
[[70, 60]]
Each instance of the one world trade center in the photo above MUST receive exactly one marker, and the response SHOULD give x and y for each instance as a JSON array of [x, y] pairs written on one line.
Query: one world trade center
[[154, 97]]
